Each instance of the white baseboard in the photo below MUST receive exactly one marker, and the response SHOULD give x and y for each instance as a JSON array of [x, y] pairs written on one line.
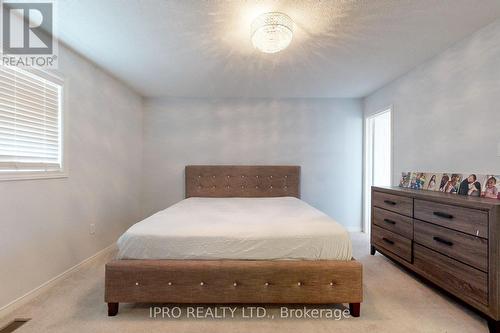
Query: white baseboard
[[29, 296]]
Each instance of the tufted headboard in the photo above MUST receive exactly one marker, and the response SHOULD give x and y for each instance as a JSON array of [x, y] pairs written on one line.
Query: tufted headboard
[[242, 181]]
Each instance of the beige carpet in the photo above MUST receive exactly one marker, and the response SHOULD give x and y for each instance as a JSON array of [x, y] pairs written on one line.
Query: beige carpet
[[395, 301]]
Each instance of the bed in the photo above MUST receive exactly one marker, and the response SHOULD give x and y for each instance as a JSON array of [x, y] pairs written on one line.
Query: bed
[[238, 237]]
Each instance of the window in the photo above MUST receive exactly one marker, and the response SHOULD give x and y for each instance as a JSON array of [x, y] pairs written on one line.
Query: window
[[30, 124]]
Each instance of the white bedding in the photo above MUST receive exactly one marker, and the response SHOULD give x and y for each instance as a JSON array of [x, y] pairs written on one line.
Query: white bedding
[[237, 228]]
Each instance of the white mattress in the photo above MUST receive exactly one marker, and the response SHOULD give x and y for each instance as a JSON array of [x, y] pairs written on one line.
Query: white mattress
[[237, 228]]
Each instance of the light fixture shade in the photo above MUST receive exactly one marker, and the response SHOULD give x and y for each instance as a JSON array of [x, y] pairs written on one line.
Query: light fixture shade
[[272, 32]]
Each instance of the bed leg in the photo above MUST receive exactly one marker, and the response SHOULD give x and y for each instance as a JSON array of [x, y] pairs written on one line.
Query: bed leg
[[112, 309], [355, 309], [494, 325], [372, 250]]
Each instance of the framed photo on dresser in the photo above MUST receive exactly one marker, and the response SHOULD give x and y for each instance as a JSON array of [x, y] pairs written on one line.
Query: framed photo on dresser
[[467, 184], [490, 187], [433, 181]]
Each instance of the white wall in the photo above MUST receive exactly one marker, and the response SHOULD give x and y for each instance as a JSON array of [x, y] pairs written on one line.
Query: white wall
[[446, 111], [44, 224], [324, 136]]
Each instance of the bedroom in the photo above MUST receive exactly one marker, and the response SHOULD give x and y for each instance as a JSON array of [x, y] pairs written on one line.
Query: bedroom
[[165, 162]]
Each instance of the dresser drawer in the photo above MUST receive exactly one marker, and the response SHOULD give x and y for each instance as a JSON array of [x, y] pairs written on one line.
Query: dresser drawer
[[452, 275], [470, 221], [466, 248], [394, 222], [394, 203], [392, 242]]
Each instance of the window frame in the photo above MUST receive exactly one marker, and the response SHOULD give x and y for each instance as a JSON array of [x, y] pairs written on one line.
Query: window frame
[[56, 78]]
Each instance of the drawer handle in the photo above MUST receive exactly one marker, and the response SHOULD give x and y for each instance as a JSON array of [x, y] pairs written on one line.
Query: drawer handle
[[443, 215], [388, 241], [389, 202], [444, 241], [389, 221]]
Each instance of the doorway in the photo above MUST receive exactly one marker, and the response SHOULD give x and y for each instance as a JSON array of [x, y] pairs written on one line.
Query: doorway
[[378, 157]]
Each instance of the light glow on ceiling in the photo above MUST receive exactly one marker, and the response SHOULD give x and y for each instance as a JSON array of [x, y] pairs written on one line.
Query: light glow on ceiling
[[272, 32]]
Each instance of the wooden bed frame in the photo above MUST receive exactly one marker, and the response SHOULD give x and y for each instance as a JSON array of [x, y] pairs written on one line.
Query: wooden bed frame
[[236, 281]]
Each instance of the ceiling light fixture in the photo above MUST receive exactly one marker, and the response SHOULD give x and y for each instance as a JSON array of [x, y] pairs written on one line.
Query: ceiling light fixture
[[272, 32]]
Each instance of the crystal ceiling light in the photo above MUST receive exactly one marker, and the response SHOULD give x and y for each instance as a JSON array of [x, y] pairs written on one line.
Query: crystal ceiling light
[[272, 32]]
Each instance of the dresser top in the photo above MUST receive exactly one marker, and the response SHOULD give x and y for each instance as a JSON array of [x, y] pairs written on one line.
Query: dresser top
[[448, 198]]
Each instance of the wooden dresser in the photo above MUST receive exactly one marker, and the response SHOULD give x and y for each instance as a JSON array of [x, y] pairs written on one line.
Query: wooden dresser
[[450, 240]]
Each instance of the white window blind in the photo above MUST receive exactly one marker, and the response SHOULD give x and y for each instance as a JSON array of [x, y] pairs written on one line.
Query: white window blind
[[30, 122]]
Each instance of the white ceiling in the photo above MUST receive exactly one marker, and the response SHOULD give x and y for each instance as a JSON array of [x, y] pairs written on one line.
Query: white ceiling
[[203, 48]]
